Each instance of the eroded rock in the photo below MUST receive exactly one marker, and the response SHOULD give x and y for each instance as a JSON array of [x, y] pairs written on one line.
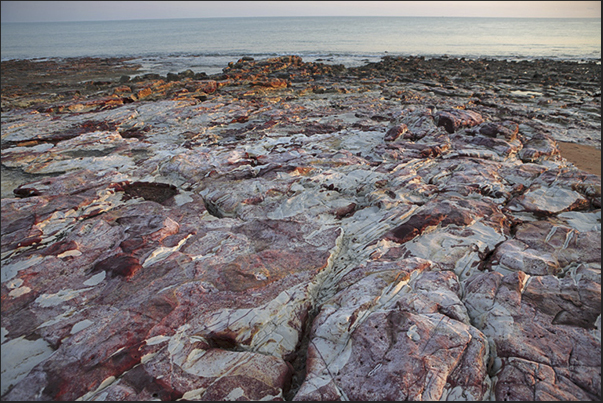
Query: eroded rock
[[301, 231]]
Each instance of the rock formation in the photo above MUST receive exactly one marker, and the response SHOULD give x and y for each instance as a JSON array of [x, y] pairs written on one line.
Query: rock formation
[[301, 231]]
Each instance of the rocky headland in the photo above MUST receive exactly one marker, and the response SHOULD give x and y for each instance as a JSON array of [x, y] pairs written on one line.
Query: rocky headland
[[404, 230]]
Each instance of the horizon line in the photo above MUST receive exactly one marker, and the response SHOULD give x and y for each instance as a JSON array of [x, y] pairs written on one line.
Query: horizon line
[[303, 16]]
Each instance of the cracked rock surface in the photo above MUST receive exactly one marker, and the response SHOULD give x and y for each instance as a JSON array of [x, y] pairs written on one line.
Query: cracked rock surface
[[404, 230]]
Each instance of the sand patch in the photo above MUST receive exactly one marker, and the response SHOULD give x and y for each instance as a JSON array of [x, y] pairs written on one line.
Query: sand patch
[[584, 157]]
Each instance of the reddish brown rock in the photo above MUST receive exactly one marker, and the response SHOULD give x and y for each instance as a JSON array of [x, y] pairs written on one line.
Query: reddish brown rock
[[538, 330], [207, 87], [329, 237], [508, 130], [455, 119], [397, 343], [140, 293], [395, 132], [272, 83]]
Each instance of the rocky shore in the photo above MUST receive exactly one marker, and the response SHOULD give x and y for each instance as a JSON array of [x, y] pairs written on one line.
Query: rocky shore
[[404, 230]]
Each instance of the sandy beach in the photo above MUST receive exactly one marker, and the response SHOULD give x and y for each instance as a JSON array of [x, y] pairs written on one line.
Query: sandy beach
[[584, 157]]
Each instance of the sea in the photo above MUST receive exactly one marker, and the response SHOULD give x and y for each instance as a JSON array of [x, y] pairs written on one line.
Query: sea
[[209, 44]]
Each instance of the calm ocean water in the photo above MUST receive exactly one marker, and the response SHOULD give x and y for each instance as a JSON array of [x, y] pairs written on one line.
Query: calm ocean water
[[209, 44]]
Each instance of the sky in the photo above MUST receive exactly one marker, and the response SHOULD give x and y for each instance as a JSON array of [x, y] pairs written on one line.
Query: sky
[[47, 11]]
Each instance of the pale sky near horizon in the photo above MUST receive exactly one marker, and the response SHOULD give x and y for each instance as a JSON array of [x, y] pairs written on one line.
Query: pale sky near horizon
[[46, 11]]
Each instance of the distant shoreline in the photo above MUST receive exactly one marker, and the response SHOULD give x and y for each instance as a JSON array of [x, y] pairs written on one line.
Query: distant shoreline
[[320, 57]]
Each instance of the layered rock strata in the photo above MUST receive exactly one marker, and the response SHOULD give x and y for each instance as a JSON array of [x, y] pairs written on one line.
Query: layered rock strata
[[406, 230]]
